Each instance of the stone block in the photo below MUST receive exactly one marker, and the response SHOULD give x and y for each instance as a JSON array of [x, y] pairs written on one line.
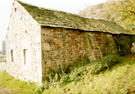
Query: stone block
[[38, 55], [45, 31], [47, 63], [46, 46]]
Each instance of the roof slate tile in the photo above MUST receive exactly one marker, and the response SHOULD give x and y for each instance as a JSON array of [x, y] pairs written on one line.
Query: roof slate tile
[[54, 18]]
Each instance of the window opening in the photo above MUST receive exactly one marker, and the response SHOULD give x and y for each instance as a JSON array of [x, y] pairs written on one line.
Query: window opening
[[15, 9], [25, 55], [12, 57]]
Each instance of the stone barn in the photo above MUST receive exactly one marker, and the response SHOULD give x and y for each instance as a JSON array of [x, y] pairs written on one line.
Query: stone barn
[[40, 40]]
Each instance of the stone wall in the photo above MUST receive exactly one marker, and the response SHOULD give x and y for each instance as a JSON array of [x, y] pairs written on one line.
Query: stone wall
[[23, 45], [61, 46], [124, 43], [34, 51]]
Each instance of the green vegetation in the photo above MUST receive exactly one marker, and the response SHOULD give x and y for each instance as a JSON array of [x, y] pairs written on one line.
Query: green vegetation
[[119, 79], [126, 14], [17, 85], [122, 12], [98, 77], [2, 56], [80, 69], [87, 44], [124, 43]]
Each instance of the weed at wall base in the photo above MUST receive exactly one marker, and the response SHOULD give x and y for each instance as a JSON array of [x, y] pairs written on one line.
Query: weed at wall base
[[81, 68]]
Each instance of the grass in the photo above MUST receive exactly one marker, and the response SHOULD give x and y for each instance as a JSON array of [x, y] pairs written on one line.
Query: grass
[[2, 56], [120, 79], [83, 68], [17, 85], [116, 78]]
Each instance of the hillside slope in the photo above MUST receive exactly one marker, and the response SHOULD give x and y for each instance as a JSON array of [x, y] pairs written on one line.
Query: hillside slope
[[122, 12], [119, 79]]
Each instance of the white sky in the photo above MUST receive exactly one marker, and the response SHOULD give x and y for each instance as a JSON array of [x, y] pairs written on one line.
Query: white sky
[[72, 6]]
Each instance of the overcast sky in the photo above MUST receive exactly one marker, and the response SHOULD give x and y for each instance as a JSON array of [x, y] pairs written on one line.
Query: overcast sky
[[72, 6]]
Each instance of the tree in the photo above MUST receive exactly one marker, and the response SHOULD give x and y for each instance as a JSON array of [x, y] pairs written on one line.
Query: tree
[[122, 12]]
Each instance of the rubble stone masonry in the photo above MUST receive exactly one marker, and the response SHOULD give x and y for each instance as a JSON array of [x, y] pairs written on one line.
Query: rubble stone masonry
[[23, 45], [33, 50], [62, 46]]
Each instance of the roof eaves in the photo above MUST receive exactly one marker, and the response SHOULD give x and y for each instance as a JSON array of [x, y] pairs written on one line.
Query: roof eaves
[[87, 30]]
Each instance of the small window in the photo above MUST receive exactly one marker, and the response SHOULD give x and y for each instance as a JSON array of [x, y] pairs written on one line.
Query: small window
[[25, 31], [8, 28], [15, 9], [12, 56], [25, 56]]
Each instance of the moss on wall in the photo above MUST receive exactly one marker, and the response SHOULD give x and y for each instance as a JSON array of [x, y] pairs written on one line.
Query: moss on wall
[[87, 44], [132, 38], [110, 45], [124, 43]]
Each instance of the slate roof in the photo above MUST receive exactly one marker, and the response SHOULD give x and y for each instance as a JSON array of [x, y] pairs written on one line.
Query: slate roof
[[53, 18]]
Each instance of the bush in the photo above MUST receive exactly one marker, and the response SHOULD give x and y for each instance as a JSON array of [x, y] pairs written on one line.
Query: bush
[[82, 69], [103, 63]]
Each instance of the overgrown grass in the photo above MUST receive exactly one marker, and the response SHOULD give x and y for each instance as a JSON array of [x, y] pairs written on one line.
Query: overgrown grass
[[98, 77], [17, 85], [119, 79], [81, 70]]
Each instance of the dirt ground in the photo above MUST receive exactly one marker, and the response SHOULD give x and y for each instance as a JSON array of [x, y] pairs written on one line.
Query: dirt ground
[[4, 90]]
